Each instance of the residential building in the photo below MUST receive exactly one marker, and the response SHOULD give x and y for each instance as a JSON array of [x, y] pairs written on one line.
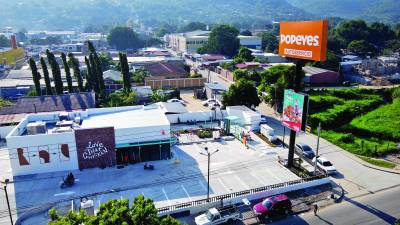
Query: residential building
[[214, 90], [189, 42], [167, 70]]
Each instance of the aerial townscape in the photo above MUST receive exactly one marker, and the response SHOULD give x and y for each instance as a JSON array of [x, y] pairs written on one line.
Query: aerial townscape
[[173, 112]]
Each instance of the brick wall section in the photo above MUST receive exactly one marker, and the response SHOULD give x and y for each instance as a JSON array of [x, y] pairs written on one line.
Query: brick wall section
[[157, 83]]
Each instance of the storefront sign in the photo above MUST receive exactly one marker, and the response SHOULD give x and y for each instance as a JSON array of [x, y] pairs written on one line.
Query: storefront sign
[[96, 147], [304, 39]]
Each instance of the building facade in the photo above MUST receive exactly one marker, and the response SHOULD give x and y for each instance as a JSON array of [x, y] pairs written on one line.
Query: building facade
[[51, 142]]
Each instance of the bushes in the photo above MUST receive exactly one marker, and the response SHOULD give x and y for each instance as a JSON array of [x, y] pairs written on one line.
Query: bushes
[[204, 133], [383, 123], [321, 103]]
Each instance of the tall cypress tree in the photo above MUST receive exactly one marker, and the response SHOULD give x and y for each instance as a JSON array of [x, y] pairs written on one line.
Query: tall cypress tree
[[35, 76], [46, 76], [96, 65], [95, 80], [77, 72], [126, 77], [55, 69], [67, 72], [89, 75]]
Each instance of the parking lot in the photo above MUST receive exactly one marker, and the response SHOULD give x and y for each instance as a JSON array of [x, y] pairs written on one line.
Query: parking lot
[[192, 104], [181, 179]]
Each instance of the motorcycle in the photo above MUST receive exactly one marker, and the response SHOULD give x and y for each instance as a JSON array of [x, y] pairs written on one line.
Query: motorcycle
[[68, 181], [148, 167]]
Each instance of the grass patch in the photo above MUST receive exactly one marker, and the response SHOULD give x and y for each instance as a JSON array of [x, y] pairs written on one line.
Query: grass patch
[[383, 122], [378, 162], [360, 146]]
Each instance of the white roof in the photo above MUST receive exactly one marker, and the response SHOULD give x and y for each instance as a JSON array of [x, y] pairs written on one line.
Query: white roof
[[131, 118], [112, 75]]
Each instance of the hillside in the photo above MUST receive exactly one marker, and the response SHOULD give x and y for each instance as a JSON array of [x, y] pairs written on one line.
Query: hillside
[[57, 14], [372, 10]]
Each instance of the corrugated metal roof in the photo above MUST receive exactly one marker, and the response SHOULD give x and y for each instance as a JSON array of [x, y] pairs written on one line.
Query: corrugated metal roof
[[51, 103]]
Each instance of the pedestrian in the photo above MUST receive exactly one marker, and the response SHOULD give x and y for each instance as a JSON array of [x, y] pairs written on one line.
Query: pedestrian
[[315, 209]]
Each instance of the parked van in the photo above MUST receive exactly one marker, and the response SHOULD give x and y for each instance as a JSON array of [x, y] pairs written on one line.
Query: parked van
[[268, 132]]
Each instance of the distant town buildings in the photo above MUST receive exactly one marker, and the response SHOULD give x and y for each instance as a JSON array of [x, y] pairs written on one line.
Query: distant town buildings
[[189, 42]]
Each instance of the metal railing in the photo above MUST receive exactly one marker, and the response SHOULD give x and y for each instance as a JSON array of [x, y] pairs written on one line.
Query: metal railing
[[238, 194]]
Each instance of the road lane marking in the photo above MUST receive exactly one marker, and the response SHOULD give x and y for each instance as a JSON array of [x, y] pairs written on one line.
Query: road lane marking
[[242, 182], [201, 184], [184, 189], [65, 193], [272, 175], [166, 196], [223, 185], [259, 179]]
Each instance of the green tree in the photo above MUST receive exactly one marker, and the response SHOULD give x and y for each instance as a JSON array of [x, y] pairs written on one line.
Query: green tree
[[142, 212], [380, 33], [67, 72], [124, 38], [331, 63], [55, 69], [362, 48], [139, 75], [192, 26], [352, 30], [242, 92], [46, 76], [105, 61], [269, 41], [120, 99], [89, 76], [159, 96], [240, 74], [96, 68], [77, 72], [94, 74], [126, 76], [35, 76], [244, 55], [246, 33], [222, 40], [4, 42]]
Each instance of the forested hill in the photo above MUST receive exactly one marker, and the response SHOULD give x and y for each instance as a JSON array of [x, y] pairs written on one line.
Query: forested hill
[[76, 14], [387, 11], [61, 14]]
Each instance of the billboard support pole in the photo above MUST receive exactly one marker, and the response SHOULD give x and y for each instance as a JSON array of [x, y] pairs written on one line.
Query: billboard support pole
[[296, 87]]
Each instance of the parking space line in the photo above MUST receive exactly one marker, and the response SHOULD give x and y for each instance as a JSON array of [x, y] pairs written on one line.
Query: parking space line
[[184, 189], [223, 185], [242, 182], [271, 174], [166, 196], [258, 179], [201, 184]]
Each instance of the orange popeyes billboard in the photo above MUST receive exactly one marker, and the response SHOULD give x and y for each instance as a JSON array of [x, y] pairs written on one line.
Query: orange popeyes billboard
[[304, 39]]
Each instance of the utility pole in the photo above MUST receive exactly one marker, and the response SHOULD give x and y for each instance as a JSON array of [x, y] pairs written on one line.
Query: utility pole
[[208, 154], [316, 152], [5, 182], [283, 137]]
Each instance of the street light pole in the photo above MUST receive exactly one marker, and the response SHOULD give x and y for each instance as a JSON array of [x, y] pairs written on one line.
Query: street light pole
[[208, 154], [8, 202]]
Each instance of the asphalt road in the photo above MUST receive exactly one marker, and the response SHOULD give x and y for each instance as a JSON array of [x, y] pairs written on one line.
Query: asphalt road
[[380, 208]]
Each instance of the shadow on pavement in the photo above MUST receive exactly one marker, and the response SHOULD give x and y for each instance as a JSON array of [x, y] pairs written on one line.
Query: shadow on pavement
[[384, 216]]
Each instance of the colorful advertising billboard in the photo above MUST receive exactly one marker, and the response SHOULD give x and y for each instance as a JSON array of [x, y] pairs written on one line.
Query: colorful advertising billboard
[[295, 107], [304, 39], [95, 147]]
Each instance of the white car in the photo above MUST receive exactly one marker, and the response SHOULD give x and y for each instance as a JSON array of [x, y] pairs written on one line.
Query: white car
[[325, 165], [177, 100], [209, 102]]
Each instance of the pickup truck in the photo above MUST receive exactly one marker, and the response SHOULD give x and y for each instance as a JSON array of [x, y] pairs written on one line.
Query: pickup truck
[[221, 215]]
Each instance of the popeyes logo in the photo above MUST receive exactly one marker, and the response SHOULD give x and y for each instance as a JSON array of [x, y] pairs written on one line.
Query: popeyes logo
[[94, 150], [304, 39]]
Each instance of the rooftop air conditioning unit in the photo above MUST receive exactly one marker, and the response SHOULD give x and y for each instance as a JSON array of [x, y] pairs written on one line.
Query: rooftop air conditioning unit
[[38, 127]]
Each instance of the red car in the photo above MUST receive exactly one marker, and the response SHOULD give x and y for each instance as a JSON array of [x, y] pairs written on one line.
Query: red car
[[273, 206]]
